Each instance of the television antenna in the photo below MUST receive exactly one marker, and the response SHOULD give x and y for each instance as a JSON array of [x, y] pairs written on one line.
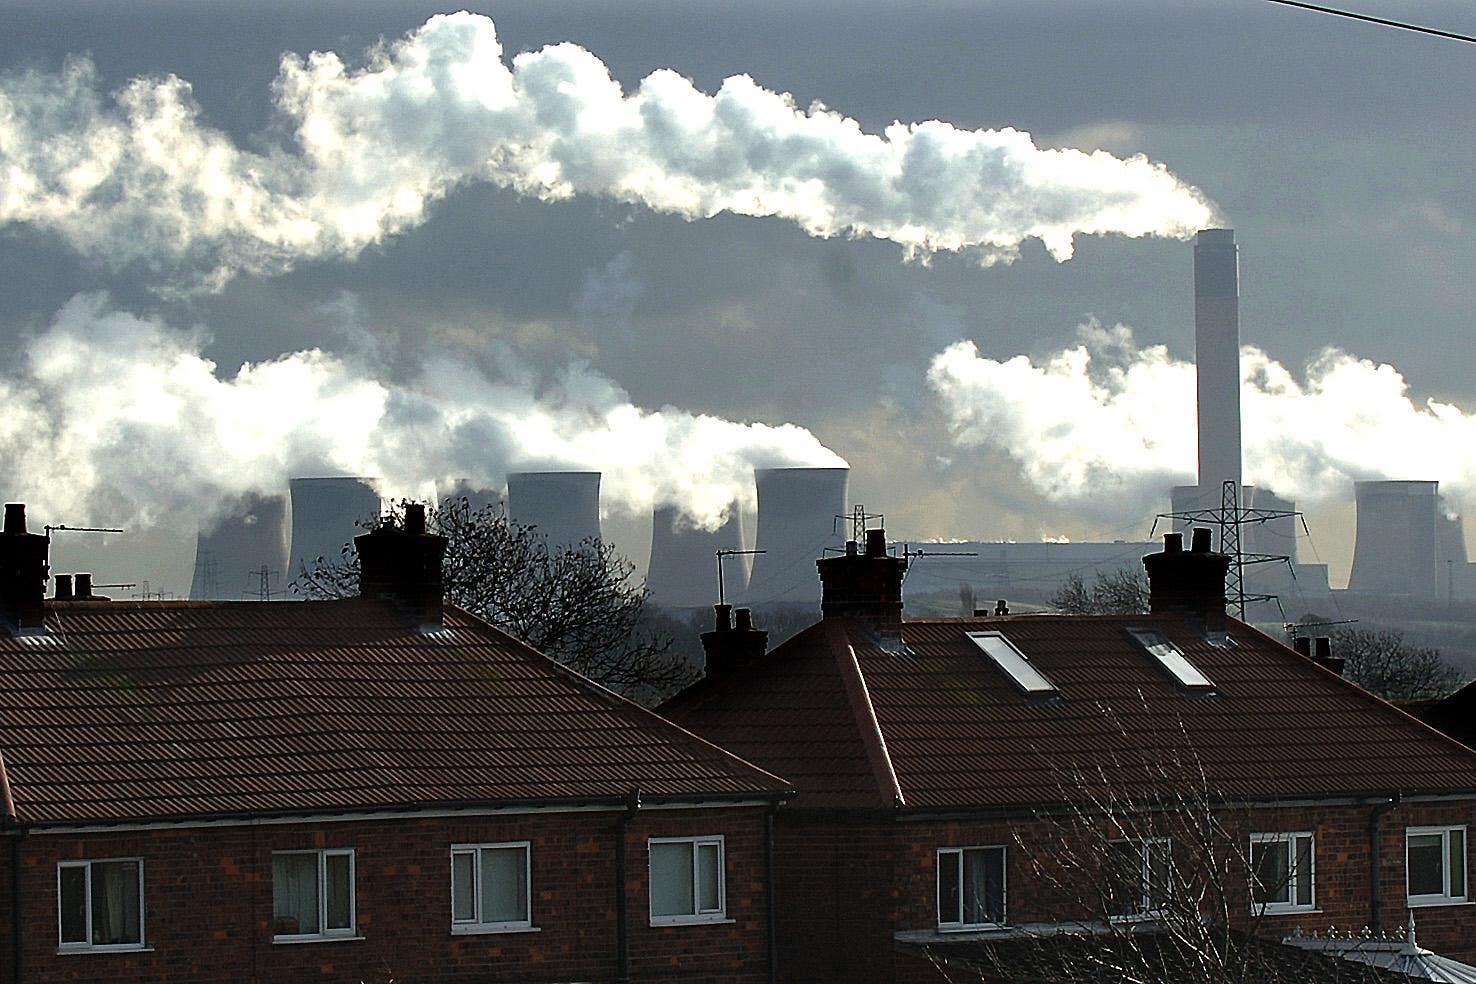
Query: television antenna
[[721, 556]]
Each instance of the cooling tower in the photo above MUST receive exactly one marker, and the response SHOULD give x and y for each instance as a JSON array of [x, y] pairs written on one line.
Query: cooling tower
[[1394, 551], [249, 536], [1217, 355], [1274, 537], [477, 497], [796, 522], [683, 569], [325, 512], [563, 506]]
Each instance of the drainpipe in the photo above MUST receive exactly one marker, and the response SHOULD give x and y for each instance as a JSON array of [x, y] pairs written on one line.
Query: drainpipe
[[769, 878], [1375, 863], [622, 929]]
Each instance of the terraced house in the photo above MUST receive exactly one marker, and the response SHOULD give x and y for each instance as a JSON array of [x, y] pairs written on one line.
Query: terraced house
[[379, 788], [970, 787]]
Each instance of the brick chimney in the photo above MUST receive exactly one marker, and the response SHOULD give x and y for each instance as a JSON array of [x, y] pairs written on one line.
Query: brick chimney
[[403, 564], [1188, 582], [24, 571], [729, 647], [865, 586]]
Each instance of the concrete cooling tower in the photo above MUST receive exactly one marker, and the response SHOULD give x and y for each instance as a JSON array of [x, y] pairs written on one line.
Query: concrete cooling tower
[[683, 569], [249, 536], [1394, 550], [477, 497], [796, 522], [324, 514], [563, 506]]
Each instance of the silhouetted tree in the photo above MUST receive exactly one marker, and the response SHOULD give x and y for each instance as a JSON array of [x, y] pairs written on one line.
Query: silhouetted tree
[[1381, 662], [580, 604], [1120, 592]]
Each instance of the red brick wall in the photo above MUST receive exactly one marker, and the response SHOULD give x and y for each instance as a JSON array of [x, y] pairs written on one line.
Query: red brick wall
[[839, 907], [208, 902]]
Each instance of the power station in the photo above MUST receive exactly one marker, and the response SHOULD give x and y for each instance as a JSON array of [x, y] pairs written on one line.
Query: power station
[[327, 513], [683, 568], [245, 554], [797, 521], [563, 506]]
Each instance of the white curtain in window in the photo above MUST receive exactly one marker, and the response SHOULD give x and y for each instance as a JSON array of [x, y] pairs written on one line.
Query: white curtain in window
[[295, 894], [115, 915], [504, 884], [983, 878], [671, 880]]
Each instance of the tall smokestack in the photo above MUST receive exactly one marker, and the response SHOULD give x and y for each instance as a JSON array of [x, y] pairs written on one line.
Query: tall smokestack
[[1217, 355]]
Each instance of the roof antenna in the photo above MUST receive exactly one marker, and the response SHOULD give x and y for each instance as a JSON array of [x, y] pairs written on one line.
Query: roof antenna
[[722, 594]]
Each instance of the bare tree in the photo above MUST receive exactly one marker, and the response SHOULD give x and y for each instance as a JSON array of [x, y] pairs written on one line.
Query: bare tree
[[1120, 592], [581, 604], [1381, 662], [1152, 878]]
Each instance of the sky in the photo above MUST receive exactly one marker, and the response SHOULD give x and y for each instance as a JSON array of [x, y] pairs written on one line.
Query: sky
[[674, 241]]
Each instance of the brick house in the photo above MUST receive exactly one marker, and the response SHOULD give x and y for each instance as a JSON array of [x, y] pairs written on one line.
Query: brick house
[[371, 789], [958, 779]]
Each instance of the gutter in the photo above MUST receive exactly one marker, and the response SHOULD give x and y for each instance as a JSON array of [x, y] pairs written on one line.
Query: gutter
[[1376, 863]]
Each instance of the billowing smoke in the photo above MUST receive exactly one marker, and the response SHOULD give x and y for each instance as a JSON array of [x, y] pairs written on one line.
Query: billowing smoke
[[1107, 426], [113, 418], [137, 179]]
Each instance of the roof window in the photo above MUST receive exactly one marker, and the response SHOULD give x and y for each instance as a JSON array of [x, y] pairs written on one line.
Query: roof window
[[1172, 659], [1015, 663]]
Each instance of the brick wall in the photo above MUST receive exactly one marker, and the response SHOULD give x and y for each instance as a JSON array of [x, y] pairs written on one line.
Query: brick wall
[[844, 887], [208, 904]]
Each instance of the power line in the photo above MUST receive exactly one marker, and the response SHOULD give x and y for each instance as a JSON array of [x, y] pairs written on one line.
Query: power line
[[1383, 21]]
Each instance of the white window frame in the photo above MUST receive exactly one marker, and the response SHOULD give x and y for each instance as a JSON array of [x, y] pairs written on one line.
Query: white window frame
[[1445, 897], [1004, 887], [1289, 838], [1146, 909], [324, 933], [699, 915], [478, 924], [87, 945]]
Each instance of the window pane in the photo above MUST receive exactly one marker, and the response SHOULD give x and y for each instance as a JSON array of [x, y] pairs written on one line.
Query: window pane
[[949, 891], [1426, 854], [73, 904], [1271, 863], [115, 903], [463, 887], [983, 880], [1124, 878], [504, 885], [1160, 861], [338, 872], [671, 880], [294, 894], [709, 862], [1304, 871], [1458, 863]]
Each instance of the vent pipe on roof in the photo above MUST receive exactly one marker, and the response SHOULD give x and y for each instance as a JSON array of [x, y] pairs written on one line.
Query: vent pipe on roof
[[24, 571], [729, 647], [401, 563], [865, 586]]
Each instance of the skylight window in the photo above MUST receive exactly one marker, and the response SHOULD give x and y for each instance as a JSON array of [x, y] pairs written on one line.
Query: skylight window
[[1157, 645], [1015, 663]]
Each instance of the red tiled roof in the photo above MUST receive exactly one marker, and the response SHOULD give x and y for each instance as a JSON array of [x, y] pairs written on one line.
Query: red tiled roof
[[129, 711], [958, 733]]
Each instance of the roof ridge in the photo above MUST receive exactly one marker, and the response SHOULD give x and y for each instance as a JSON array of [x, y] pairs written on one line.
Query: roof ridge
[[872, 738], [605, 693]]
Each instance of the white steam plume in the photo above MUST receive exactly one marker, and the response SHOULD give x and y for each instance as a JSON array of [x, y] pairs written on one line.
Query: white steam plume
[[139, 179], [1108, 426], [114, 418]]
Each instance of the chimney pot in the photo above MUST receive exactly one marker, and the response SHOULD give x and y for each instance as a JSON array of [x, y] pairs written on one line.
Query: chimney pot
[[721, 618], [64, 587], [1324, 648], [1201, 541], [83, 587], [1190, 583], [876, 543], [729, 649], [1303, 645], [415, 518], [1173, 543], [745, 619], [1001, 607], [851, 550], [15, 518]]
